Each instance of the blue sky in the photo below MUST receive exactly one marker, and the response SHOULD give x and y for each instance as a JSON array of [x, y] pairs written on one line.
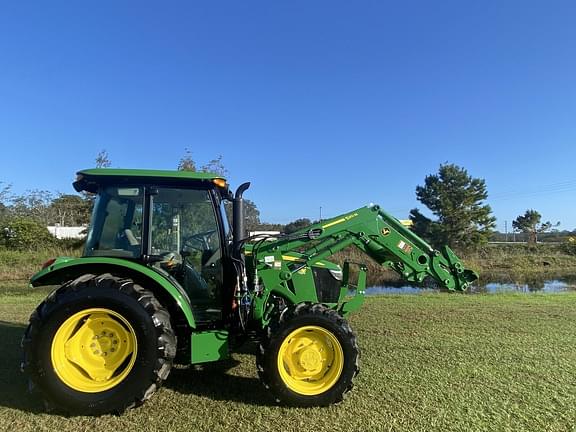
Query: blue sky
[[318, 103]]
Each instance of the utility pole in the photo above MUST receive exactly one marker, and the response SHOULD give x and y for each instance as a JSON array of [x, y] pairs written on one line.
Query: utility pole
[[506, 230], [320, 213]]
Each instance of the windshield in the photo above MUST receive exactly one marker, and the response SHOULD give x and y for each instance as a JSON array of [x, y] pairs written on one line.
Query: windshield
[[116, 228]]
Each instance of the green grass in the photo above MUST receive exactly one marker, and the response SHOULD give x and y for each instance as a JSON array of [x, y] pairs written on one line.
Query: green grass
[[434, 362]]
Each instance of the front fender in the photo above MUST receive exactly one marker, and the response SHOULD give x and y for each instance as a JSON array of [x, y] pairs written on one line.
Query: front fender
[[64, 269]]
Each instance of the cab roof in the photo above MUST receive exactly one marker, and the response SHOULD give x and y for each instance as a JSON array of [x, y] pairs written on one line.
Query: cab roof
[[89, 179], [175, 174]]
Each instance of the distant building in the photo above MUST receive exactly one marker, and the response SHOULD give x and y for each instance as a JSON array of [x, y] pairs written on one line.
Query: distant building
[[64, 232], [261, 235]]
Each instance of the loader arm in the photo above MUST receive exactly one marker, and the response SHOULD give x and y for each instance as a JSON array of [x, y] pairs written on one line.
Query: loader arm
[[380, 236]]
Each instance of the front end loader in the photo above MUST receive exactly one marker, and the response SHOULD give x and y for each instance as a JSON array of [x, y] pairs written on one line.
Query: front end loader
[[165, 279]]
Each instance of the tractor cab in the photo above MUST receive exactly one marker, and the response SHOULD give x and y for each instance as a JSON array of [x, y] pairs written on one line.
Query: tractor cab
[[173, 224]]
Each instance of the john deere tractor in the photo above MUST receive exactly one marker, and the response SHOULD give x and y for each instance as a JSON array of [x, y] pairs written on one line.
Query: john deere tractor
[[164, 279]]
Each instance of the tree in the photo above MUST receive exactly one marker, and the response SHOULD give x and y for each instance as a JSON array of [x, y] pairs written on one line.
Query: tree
[[4, 192], [4, 198], [456, 199], [296, 225], [251, 212], [268, 226], [33, 204], [70, 210], [251, 215], [102, 160], [530, 223], [186, 162], [215, 166]]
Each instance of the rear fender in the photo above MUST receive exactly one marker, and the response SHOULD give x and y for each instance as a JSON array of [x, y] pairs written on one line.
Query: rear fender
[[65, 269]]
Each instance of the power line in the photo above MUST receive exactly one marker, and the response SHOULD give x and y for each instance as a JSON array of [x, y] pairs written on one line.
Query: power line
[[552, 188]]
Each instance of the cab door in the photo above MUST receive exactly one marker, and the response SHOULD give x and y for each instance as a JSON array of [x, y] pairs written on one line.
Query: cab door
[[184, 230]]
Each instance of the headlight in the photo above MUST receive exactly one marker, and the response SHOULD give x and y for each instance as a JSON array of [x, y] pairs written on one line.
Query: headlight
[[336, 274]]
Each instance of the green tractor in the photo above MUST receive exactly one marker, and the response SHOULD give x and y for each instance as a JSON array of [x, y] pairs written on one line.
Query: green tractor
[[164, 279]]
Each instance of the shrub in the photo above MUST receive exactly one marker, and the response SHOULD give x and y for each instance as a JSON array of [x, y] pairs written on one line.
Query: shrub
[[24, 233], [71, 243], [569, 246]]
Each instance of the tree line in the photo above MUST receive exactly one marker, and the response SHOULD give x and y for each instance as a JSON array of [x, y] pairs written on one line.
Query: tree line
[[460, 216], [463, 219]]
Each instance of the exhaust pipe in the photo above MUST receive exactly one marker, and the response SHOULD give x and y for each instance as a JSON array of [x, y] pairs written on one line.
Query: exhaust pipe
[[238, 225]]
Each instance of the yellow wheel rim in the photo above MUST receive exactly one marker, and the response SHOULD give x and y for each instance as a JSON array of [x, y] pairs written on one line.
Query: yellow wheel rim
[[310, 360], [94, 350]]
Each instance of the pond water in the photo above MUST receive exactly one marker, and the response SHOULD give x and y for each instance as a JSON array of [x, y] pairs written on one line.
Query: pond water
[[553, 285]]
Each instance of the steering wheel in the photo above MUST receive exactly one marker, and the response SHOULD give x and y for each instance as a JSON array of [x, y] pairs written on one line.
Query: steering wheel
[[200, 239]]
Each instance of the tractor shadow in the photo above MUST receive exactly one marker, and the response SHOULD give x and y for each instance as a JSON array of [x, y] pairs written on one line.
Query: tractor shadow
[[210, 380], [216, 381], [13, 383]]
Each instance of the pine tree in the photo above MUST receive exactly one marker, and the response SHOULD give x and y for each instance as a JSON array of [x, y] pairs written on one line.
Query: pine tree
[[457, 200]]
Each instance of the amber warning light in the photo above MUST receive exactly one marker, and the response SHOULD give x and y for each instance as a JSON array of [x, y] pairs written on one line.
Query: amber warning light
[[220, 182]]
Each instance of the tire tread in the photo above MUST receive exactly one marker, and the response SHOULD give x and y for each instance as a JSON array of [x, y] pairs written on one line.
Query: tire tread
[[270, 339], [165, 338]]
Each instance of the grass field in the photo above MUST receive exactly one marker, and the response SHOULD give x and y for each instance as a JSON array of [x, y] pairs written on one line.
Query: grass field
[[434, 362]]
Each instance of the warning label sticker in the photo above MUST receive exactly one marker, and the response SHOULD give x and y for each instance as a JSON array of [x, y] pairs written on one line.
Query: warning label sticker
[[404, 247]]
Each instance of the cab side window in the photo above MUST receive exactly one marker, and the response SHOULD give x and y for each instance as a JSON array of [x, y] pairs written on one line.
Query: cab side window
[[184, 225]]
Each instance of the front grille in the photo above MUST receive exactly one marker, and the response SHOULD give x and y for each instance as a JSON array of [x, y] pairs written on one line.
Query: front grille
[[327, 286]]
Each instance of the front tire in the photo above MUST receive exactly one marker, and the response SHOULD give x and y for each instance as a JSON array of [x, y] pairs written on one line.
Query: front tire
[[309, 357], [99, 344]]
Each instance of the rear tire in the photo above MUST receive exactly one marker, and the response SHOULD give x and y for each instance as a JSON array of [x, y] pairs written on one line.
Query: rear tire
[[309, 357], [99, 344]]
